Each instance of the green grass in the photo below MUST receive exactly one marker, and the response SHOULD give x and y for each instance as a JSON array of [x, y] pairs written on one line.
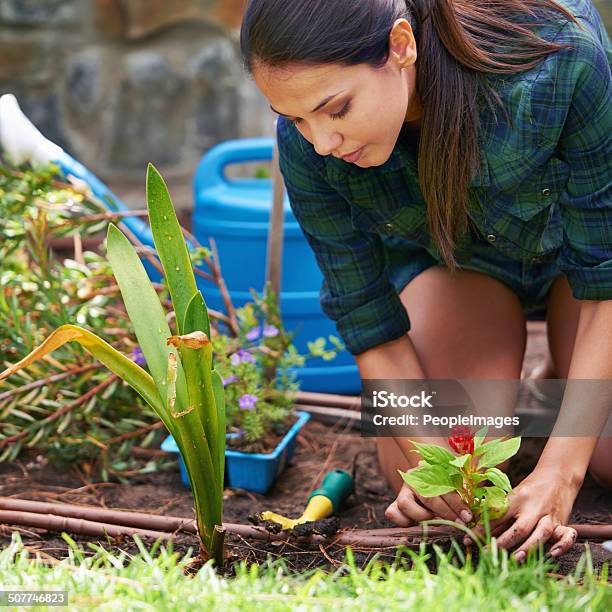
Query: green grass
[[155, 580]]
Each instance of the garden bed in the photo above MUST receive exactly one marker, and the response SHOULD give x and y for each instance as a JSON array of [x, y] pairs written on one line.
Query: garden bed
[[320, 448]]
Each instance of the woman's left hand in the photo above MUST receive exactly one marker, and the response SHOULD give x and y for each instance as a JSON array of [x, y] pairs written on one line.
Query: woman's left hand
[[539, 509]]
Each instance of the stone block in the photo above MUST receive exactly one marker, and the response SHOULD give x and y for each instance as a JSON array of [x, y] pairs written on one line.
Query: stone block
[[149, 121], [109, 18], [228, 12], [145, 17], [216, 74], [39, 12], [84, 80], [24, 59]]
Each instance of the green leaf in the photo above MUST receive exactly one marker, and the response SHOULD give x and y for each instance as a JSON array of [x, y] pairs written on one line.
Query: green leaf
[[461, 460], [479, 438], [140, 380], [499, 479], [219, 393], [434, 454], [497, 453], [496, 501], [170, 245], [429, 480], [145, 312]]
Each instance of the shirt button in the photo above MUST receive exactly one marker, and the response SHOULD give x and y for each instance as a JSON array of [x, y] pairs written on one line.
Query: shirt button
[[546, 192], [388, 227], [491, 237]]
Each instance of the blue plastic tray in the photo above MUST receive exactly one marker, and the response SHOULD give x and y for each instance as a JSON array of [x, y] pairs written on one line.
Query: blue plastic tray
[[254, 472]]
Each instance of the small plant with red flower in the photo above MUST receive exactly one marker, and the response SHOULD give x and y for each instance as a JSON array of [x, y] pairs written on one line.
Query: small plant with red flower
[[440, 472]]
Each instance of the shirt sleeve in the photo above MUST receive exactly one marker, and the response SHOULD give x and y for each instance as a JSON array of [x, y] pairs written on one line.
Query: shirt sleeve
[[579, 89], [356, 292]]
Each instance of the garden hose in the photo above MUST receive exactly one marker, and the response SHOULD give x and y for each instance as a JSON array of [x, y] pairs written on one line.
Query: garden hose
[[322, 502]]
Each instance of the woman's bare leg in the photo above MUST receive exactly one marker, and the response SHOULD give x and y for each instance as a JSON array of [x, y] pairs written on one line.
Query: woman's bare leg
[[464, 325]]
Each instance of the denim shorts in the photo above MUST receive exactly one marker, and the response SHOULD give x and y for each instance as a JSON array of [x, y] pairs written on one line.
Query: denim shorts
[[530, 281]]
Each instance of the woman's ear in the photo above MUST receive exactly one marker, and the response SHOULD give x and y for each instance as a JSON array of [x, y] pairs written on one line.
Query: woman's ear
[[402, 44]]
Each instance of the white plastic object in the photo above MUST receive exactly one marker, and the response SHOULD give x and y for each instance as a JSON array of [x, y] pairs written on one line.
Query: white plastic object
[[20, 139]]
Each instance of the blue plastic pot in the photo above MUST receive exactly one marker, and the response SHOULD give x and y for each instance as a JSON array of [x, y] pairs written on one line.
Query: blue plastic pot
[[254, 472]]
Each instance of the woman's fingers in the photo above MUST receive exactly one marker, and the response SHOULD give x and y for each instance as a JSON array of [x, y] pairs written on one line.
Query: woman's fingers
[[438, 507], [397, 517], [406, 506], [563, 538], [519, 531], [540, 535], [458, 506]]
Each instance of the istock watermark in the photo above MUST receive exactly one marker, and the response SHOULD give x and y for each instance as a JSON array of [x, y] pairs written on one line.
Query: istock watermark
[[433, 407]]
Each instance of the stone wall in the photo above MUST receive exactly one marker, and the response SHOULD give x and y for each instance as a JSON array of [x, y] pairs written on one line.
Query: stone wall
[[119, 83]]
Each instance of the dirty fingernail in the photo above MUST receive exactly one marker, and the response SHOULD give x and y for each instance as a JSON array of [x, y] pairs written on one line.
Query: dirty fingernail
[[466, 516], [520, 555], [555, 552]]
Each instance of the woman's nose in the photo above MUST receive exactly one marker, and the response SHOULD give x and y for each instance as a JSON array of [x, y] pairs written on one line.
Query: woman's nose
[[324, 143]]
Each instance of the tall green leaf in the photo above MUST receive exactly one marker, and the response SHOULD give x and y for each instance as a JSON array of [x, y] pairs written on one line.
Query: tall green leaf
[[145, 312], [170, 245], [119, 364]]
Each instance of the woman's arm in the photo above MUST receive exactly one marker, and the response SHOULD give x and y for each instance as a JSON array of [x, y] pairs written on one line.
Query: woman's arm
[[541, 504], [591, 360]]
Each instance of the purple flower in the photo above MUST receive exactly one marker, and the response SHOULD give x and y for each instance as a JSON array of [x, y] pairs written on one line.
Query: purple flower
[[241, 356], [138, 357], [254, 333], [270, 331], [247, 401], [229, 380]]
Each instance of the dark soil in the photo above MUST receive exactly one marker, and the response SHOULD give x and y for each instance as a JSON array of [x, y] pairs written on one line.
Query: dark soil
[[267, 443], [320, 448]]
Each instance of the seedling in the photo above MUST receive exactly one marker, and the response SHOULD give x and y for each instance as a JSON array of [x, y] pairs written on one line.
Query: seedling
[[440, 472]]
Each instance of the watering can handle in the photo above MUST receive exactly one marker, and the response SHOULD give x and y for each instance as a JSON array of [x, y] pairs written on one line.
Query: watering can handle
[[210, 172]]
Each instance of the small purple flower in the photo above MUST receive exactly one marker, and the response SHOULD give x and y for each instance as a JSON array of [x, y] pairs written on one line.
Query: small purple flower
[[247, 401], [254, 333], [229, 380], [138, 357], [241, 356], [270, 331]]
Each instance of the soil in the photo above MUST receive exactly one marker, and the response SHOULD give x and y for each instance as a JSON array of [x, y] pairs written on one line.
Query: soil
[[320, 448], [267, 443]]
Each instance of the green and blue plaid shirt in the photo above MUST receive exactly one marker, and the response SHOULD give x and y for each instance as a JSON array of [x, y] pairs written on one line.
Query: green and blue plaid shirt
[[543, 192]]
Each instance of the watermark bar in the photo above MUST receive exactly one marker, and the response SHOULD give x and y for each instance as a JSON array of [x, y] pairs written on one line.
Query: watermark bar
[[19, 597], [433, 407]]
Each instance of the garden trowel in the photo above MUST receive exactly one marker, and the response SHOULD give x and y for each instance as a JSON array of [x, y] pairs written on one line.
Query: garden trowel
[[322, 502]]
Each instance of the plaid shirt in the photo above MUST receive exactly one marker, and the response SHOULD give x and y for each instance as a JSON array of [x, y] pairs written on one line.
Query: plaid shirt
[[543, 191]]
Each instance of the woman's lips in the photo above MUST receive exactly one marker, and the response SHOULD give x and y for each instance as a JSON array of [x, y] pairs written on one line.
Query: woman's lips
[[351, 158]]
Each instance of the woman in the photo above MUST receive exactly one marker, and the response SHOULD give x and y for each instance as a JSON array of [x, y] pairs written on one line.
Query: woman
[[450, 164]]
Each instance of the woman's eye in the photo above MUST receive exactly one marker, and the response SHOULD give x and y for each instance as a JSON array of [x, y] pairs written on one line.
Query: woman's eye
[[342, 112], [338, 115]]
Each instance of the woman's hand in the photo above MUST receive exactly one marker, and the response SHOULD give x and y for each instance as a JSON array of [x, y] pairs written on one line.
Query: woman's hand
[[409, 508], [540, 507]]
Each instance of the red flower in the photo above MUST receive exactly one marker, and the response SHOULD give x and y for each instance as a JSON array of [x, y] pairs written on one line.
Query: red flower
[[461, 440]]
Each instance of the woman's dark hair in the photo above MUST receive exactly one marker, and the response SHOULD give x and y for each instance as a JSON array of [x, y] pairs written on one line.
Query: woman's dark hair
[[458, 43]]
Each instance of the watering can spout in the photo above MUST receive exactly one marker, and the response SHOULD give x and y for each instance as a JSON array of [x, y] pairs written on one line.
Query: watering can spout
[[20, 139]]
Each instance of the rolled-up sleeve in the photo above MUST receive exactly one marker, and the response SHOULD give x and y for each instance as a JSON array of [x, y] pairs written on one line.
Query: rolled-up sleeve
[[581, 99], [356, 291]]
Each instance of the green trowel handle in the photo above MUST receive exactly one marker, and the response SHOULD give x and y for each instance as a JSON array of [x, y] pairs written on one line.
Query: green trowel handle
[[336, 486]]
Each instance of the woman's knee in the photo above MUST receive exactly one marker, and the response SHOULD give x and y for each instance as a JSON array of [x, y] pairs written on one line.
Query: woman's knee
[[465, 324]]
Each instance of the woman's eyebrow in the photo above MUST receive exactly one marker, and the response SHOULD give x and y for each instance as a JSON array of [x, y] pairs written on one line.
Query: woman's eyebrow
[[318, 107]]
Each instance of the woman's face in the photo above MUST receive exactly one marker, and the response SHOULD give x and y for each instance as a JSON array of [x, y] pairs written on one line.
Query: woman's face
[[341, 110]]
